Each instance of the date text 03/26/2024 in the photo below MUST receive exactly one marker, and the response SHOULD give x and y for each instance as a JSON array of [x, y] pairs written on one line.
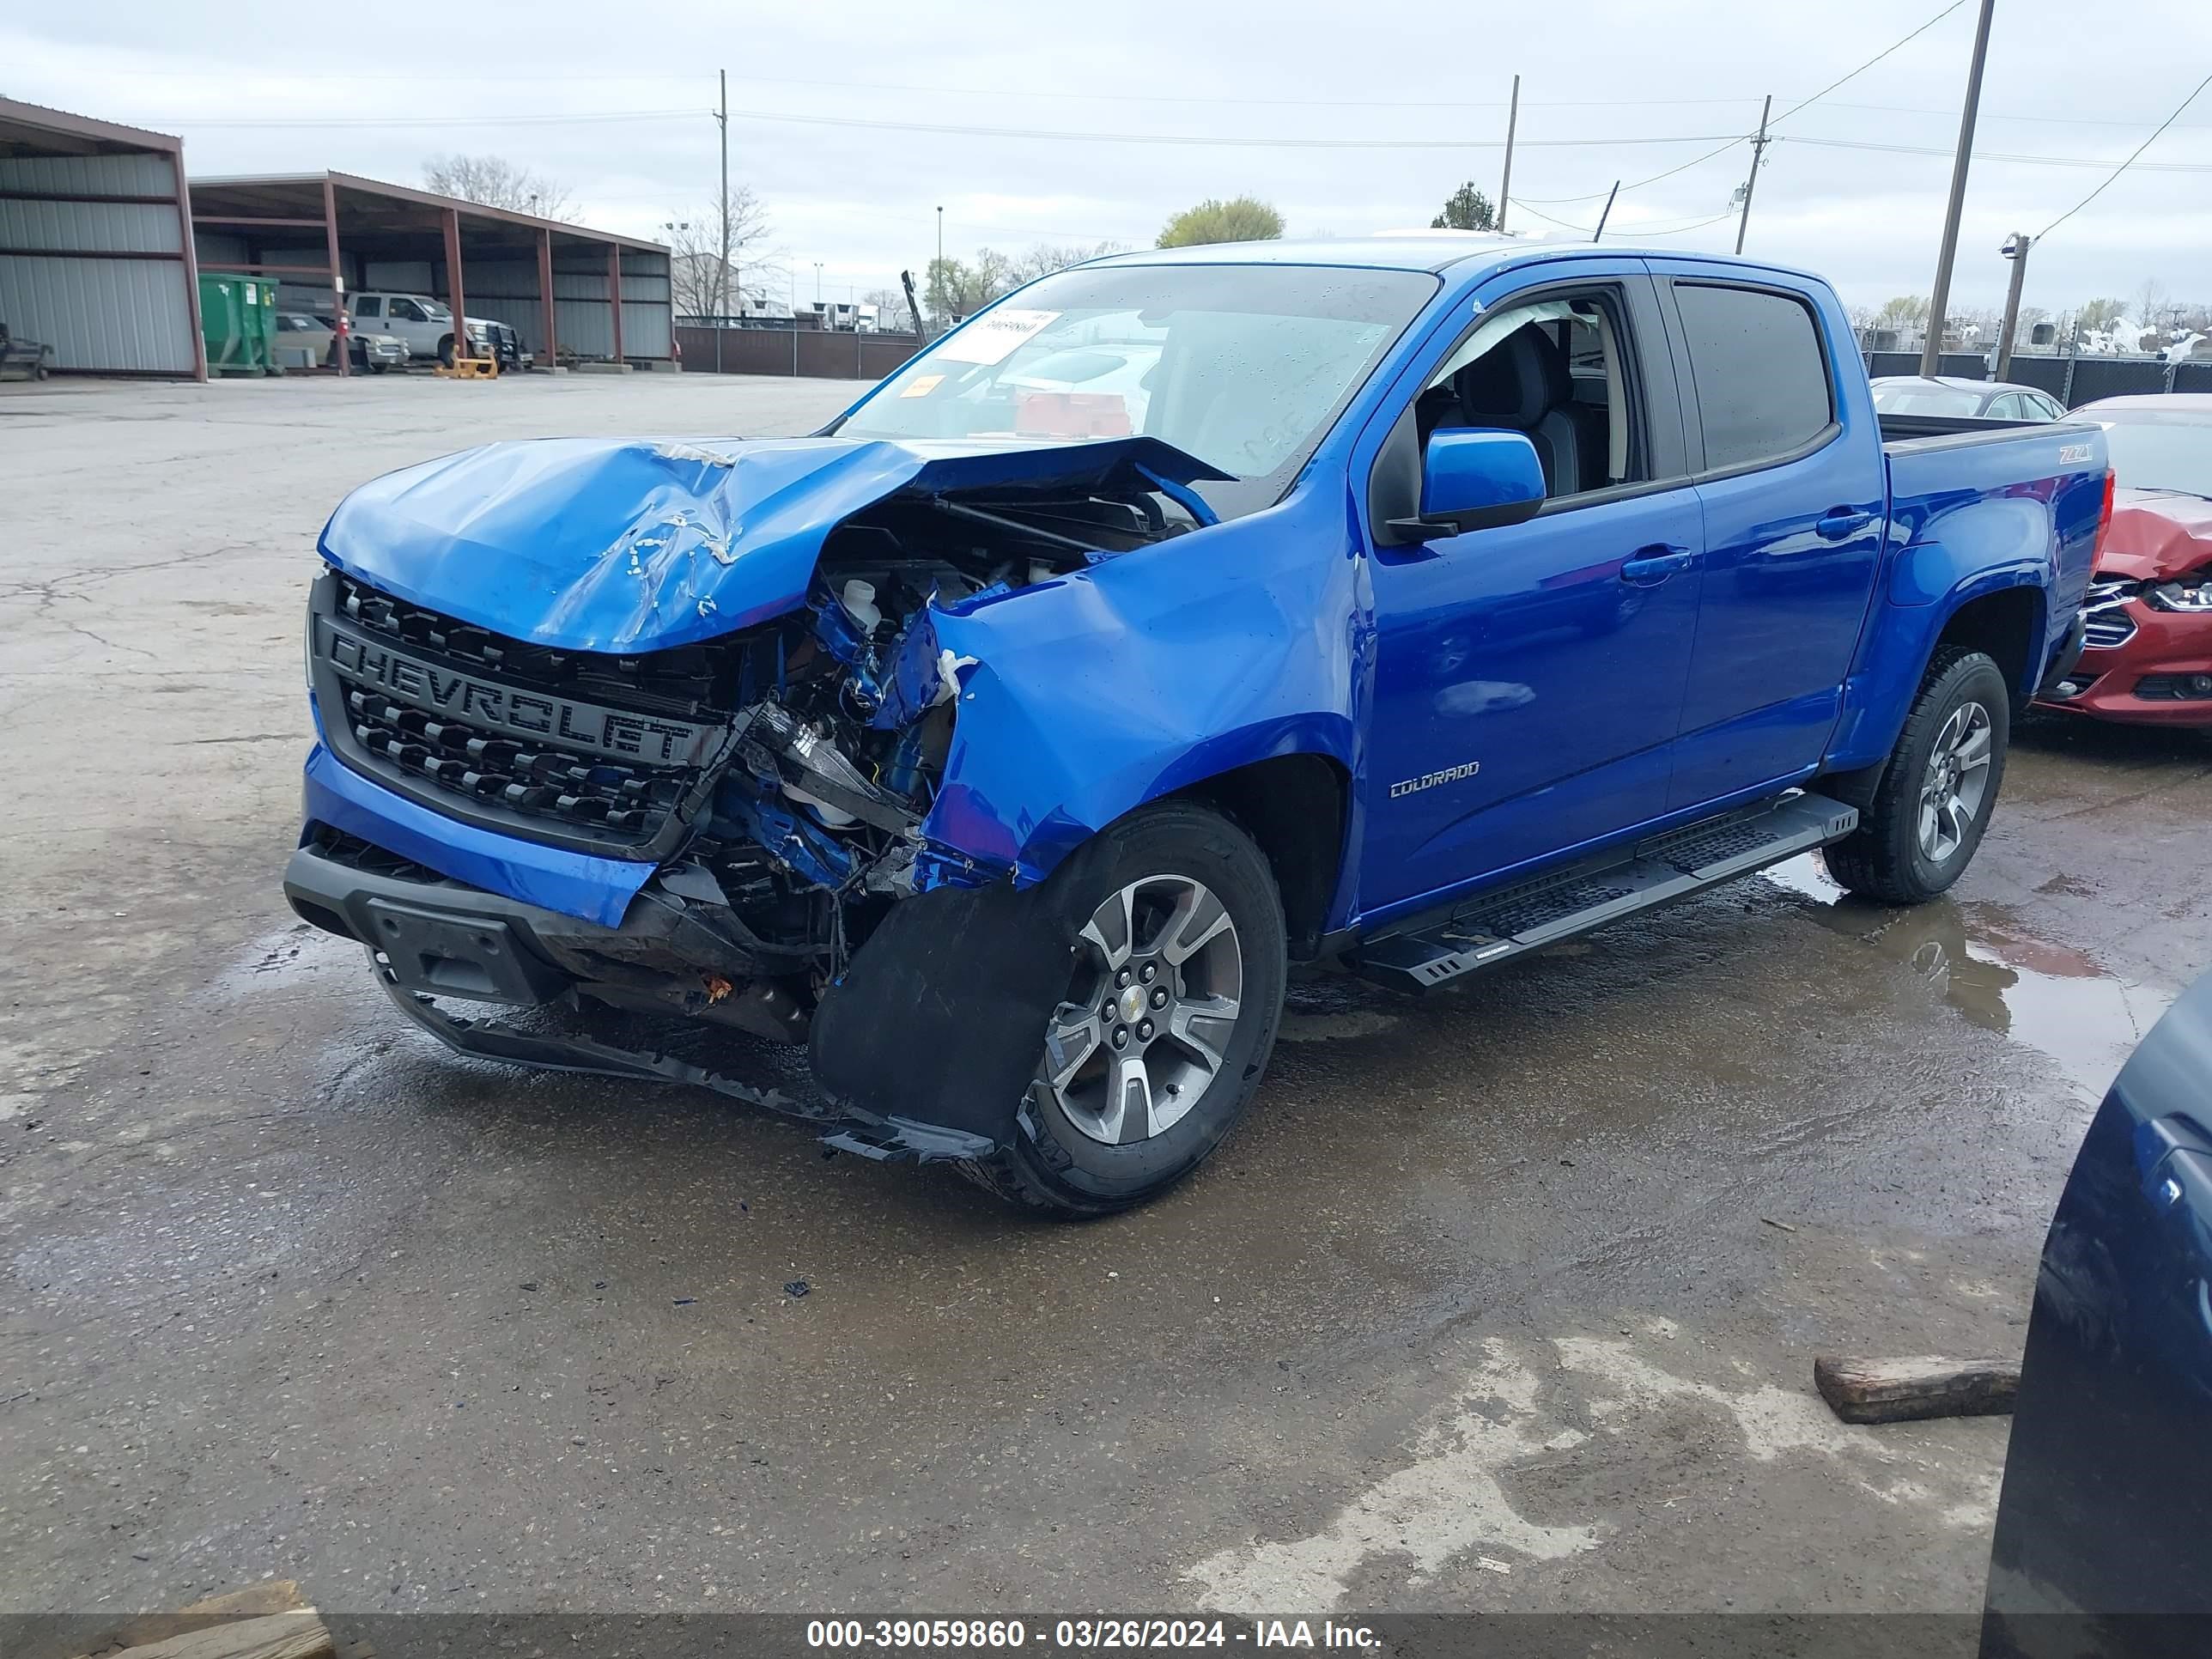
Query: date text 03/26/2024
[[1085, 1635]]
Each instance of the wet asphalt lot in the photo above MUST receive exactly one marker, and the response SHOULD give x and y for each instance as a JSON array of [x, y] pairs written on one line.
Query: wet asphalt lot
[[1503, 1299]]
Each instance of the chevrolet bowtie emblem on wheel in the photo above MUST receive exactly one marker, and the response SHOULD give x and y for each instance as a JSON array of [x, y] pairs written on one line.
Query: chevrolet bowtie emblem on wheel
[[1431, 779]]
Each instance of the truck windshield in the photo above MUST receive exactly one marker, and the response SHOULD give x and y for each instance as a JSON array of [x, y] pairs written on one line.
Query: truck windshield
[[2159, 448], [1244, 366]]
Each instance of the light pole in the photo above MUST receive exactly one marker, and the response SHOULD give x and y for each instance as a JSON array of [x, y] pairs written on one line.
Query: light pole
[[1939, 302], [2016, 249], [817, 282]]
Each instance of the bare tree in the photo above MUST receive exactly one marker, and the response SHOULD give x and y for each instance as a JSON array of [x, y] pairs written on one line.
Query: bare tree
[[706, 273], [495, 181], [2153, 307], [891, 310], [1045, 258]]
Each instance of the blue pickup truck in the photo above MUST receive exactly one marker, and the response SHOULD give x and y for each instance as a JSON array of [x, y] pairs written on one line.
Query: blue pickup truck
[[1417, 603]]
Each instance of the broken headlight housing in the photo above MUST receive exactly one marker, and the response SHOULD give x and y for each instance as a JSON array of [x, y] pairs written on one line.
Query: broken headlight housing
[[2192, 593]]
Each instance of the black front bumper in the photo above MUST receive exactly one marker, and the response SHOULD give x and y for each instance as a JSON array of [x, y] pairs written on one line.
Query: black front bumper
[[428, 938]]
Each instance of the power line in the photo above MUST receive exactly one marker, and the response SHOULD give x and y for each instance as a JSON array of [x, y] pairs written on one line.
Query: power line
[[2001, 155], [581, 118], [1209, 141], [1629, 233], [1066, 96], [2123, 166], [1870, 61], [1746, 137]]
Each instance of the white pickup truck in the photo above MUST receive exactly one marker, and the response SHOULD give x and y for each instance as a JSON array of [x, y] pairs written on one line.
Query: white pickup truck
[[425, 323]]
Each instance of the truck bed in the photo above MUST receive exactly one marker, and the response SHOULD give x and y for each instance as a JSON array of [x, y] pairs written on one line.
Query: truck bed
[[1912, 428]]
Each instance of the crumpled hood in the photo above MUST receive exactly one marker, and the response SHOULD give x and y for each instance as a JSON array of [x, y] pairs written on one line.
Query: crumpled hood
[[2156, 535], [593, 544]]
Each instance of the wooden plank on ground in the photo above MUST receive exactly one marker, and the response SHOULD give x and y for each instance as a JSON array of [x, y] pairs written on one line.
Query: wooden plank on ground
[[301, 1635], [254, 1602], [1909, 1390]]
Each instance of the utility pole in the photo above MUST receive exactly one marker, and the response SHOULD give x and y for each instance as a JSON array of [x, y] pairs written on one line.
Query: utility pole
[[2016, 249], [1751, 180], [1607, 214], [1505, 184], [1931, 354], [722, 272]]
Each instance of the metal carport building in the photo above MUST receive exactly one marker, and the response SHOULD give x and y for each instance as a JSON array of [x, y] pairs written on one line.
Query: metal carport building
[[95, 257], [556, 284]]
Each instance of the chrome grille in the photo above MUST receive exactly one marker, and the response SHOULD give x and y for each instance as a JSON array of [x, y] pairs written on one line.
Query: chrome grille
[[2105, 622]]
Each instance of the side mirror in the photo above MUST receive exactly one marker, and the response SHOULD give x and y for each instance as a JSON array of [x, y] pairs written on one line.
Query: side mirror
[[1474, 478]]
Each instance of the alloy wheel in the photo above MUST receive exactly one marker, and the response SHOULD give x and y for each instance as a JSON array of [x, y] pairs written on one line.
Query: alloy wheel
[[1153, 996], [1957, 782]]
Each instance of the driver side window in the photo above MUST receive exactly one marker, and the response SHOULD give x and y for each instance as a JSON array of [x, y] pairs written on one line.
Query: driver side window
[[1557, 370]]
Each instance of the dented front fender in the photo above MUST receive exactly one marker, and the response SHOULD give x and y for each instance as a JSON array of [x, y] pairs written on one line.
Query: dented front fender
[[1092, 693]]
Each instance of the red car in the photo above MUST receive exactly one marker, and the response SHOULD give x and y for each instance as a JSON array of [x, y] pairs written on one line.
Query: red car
[[2147, 655]]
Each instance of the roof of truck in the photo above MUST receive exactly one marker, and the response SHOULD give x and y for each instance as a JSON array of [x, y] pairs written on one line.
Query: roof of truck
[[1413, 250]]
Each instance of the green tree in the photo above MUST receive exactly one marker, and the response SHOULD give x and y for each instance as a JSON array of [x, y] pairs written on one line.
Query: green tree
[[958, 289], [1466, 209], [1239, 219], [2101, 313], [1905, 311]]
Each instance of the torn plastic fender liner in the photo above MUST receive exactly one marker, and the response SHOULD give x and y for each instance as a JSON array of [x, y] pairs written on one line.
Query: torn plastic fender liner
[[940, 1018], [589, 545]]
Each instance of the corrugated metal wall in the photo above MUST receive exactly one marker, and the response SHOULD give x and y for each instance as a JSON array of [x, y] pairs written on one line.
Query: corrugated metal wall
[[98, 313]]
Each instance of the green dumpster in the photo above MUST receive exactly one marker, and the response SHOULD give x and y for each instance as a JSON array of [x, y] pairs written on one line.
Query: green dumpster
[[238, 316]]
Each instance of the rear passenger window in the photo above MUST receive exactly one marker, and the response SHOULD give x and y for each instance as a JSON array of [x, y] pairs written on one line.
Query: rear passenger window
[[1762, 382], [368, 307]]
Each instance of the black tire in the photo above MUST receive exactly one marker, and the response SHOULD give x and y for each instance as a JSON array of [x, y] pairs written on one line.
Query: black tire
[[1054, 1166], [446, 352], [1883, 858]]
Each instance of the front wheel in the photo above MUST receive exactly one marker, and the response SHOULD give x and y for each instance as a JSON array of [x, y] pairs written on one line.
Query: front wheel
[[1174, 992], [1933, 802]]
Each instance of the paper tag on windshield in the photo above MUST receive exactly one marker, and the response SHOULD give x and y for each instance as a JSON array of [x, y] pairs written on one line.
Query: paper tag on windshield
[[922, 387], [991, 337]]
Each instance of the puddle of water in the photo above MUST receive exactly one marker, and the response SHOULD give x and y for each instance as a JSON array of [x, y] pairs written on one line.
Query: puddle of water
[[2058, 1000]]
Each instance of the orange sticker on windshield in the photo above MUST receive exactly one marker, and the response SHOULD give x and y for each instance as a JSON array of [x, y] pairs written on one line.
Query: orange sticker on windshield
[[922, 386]]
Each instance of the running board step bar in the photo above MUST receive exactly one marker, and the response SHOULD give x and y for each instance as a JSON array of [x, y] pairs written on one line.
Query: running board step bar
[[1499, 925]]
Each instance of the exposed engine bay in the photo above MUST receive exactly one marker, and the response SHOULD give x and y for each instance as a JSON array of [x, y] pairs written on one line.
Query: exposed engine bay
[[780, 776]]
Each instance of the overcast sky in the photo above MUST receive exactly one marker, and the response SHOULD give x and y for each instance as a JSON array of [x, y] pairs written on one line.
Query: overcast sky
[[1034, 123]]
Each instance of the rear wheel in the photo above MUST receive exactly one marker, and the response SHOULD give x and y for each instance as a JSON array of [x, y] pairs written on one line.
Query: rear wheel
[[1174, 992], [1933, 802]]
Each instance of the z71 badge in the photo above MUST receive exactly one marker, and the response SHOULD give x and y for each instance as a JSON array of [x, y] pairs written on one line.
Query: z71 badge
[[1431, 779]]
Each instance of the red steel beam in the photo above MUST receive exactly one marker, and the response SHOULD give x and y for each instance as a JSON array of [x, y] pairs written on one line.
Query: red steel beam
[[338, 315], [453, 294], [243, 219], [614, 293], [184, 199], [545, 297]]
